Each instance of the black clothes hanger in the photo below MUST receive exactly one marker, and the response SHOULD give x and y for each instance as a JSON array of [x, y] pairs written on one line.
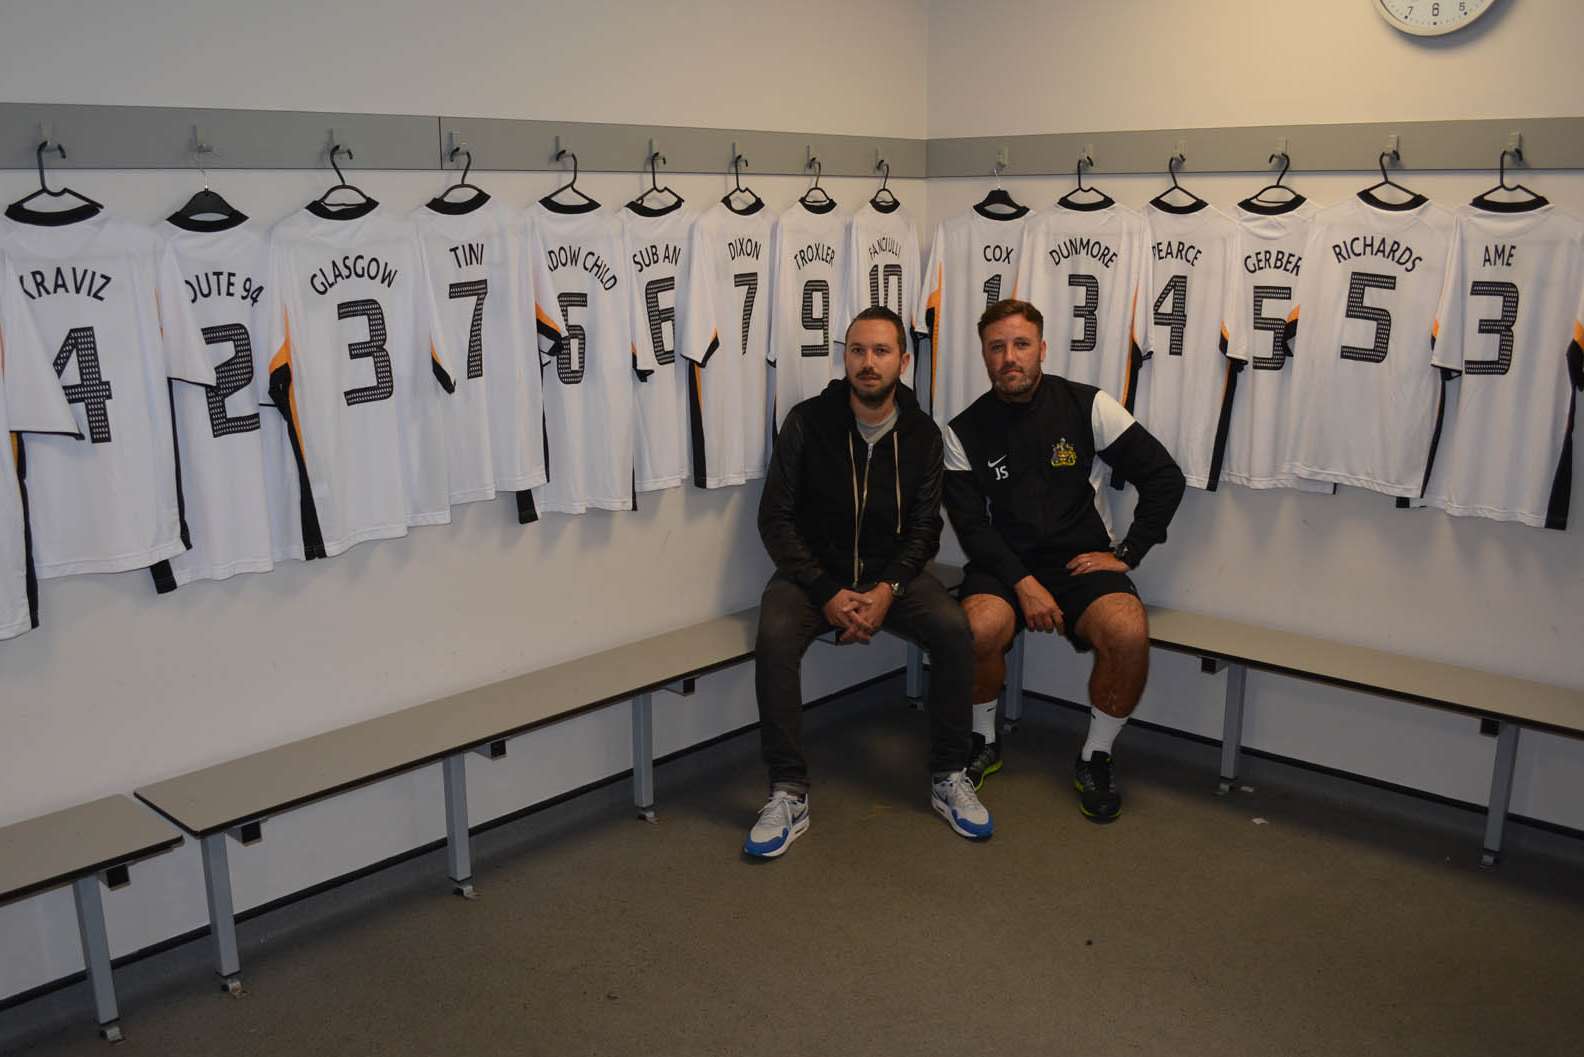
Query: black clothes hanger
[[442, 203], [222, 215], [640, 206], [997, 204], [323, 207], [1286, 198], [22, 213], [754, 203], [1164, 199], [1075, 199], [816, 199], [1369, 197], [553, 202], [883, 200], [1489, 202]]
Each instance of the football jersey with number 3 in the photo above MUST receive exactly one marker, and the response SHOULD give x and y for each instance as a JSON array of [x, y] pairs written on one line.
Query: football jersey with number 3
[[1368, 398], [807, 310], [590, 358], [1512, 324], [112, 502], [362, 370], [31, 401]]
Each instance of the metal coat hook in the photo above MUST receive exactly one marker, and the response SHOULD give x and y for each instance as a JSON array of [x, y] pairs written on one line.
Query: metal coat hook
[[1084, 159], [1172, 164], [654, 177], [43, 146], [1286, 163], [467, 168], [738, 161], [814, 163], [564, 153], [336, 148]]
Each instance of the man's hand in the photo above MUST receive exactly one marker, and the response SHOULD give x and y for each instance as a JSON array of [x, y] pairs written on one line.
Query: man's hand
[[870, 614], [1040, 611], [840, 609], [1096, 561]]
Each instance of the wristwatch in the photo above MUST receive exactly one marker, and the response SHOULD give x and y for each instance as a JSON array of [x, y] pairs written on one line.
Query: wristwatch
[[896, 587], [1126, 554]]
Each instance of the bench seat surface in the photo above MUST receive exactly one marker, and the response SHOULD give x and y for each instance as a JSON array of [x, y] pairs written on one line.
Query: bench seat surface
[[44, 852], [227, 794]]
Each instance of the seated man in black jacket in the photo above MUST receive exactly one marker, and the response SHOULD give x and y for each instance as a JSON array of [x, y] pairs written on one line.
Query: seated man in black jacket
[[850, 515], [1023, 493]]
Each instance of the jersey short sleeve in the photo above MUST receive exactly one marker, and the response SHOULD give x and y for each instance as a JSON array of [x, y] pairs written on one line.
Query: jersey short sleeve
[[185, 359]]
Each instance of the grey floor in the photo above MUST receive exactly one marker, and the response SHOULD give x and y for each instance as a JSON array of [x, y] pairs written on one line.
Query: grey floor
[[1353, 921]]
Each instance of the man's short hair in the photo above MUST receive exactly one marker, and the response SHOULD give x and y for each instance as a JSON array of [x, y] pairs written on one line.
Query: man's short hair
[[882, 312], [1006, 310]]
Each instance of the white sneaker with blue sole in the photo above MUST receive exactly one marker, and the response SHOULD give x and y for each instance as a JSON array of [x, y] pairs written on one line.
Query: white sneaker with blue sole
[[953, 798], [782, 820]]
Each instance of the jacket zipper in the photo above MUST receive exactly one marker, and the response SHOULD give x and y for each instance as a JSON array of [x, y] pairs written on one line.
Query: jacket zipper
[[860, 502]]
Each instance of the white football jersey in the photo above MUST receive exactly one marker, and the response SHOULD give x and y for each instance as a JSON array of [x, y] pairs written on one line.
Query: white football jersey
[[91, 287], [1186, 392], [31, 401], [475, 253], [883, 264], [806, 310], [725, 331], [973, 263], [1369, 400], [582, 305], [1512, 323], [238, 475], [1088, 271], [1262, 318], [362, 367], [657, 287]]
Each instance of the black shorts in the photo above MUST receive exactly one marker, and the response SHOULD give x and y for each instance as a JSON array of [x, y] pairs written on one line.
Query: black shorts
[[1073, 593]]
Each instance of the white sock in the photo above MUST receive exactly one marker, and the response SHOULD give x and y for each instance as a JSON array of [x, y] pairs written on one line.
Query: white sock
[[1103, 731], [984, 720]]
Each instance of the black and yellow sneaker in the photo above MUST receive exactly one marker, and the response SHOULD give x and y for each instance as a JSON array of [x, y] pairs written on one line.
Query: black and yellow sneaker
[[1095, 780], [985, 761]]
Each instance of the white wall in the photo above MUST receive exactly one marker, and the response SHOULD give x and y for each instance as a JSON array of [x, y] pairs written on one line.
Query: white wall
[[121, 687], [1477, 593]]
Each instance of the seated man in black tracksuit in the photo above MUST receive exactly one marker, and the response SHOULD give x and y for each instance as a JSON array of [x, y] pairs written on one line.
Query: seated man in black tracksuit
[[850, 515], [1022, 491]]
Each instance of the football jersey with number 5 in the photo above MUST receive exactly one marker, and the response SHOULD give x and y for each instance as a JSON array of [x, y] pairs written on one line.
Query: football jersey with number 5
[[1512, 324], [112, 502], [1368, 399], [590, 358], [807, 317], [361, 370]]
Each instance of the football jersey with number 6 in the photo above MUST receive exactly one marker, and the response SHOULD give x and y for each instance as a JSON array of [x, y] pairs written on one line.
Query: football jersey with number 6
[[475, 253], [656, 280], [590, 358], [1368, 398], [1512, 325], [362, 372], [31, 401], [111, 502], [807, 314], [237, 472]]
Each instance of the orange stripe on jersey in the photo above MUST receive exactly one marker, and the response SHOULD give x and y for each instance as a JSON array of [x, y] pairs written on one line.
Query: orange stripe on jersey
[[282, 357], [1225, 335], [1292, 317], [545, 320], [1578, 334], [933, 307], [1435, 329]]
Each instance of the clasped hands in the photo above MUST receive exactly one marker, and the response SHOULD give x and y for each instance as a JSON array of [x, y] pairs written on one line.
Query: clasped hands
[[858, 615]]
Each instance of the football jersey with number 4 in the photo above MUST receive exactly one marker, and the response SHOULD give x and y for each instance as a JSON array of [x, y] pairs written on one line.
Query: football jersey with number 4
[[112, 502], [1512, 325]]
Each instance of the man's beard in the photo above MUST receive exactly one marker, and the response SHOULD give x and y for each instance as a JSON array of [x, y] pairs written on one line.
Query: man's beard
[[878, 398], [1014, 385]]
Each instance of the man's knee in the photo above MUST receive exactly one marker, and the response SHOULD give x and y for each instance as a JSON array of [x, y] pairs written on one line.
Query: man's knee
[[783, 615], [944, 628], [1116, 625], [991, 622]]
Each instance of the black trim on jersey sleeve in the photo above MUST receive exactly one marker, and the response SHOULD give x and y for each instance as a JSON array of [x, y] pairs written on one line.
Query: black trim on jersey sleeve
[[696, 426], [969, 510], [714, 346], [31, 573], [280, 384], [1224, 421], [442, 376], [527, 513], [1562, 480], [1435, 437], [181, 498], [1145, 462], [778, 515], [1136, 358], [164, 578]]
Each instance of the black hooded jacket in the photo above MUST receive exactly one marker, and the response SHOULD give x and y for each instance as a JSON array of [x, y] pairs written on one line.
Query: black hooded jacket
[[831, 516]]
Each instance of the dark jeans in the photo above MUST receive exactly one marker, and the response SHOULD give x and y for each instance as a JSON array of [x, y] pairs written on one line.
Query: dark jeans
[[926, 614]]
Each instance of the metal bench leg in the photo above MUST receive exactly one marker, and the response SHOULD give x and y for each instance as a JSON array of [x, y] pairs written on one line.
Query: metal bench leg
[[1501, 791], [222, 915], [96, 953], [459, 851], [1013, 694], [915, 676], [1232, 726], [643, 755]]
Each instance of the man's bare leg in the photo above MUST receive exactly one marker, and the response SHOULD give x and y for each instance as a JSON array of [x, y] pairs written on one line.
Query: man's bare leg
[[993, 624], [1115, 625]]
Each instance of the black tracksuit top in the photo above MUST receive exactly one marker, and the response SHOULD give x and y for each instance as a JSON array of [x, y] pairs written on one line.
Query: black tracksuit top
[[1021, 479]]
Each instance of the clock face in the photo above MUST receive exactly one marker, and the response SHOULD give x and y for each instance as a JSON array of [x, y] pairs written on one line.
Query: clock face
[[1431, 18]]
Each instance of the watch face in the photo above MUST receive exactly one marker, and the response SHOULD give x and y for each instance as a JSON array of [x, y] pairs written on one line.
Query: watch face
[[1429, 18]]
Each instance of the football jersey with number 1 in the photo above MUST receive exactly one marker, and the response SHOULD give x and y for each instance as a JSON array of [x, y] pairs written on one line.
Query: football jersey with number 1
[[31, 401], [1512, 324], [361, 369], [807, 303], [725, 331], [91, 286], [238, 476]]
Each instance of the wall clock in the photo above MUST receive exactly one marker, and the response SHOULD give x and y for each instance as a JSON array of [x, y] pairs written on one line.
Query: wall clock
[[1431, 18]]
